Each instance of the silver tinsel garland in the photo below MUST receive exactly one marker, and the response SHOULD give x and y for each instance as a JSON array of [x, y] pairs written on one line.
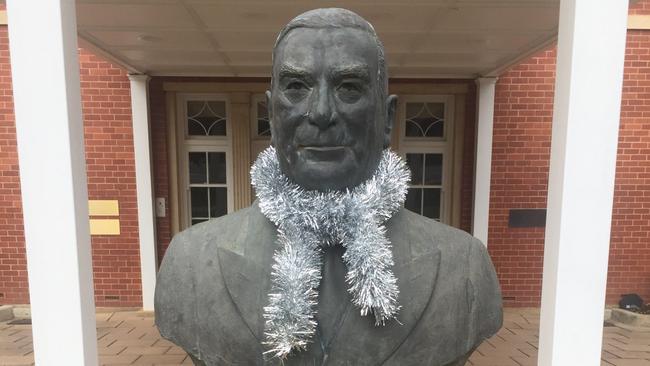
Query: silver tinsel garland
[[306, 222]]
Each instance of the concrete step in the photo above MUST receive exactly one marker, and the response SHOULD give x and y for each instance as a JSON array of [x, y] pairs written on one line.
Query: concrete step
[[6, 312], [630, 318]]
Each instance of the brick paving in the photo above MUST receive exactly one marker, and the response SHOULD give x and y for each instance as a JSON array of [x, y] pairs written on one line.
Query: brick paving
[[516, 343], [130, 338]]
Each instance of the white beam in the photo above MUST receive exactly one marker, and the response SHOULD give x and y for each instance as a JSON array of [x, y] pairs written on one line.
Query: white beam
[[483, 161], [591, 50], [49, 129], [144, 186]]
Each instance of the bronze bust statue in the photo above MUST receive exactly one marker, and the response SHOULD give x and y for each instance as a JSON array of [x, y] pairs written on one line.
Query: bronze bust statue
[[327, 267]]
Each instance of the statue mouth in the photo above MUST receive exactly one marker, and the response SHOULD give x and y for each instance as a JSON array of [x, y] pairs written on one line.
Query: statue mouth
[[323, 148], [323, 152]]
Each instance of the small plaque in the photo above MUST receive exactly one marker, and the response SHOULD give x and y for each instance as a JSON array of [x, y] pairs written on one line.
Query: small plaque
[[103, 208], [529, 217], [104, 227]]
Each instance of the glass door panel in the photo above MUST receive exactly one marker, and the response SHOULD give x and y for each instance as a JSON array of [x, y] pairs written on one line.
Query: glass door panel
[[425, 192], [207, 185]]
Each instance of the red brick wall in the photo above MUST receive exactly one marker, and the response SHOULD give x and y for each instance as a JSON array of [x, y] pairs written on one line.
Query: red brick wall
[[106, 102], [629, 259], [640, 7], [105, 94], [520, 156], [13, 264]]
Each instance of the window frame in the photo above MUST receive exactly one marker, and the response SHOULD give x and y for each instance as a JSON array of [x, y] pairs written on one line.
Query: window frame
[[194, 143], [445, 194], [432, 145]]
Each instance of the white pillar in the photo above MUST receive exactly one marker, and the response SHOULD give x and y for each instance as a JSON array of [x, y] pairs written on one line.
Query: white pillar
[[144, 186], [483, 162], [49, 129], [591, 49]]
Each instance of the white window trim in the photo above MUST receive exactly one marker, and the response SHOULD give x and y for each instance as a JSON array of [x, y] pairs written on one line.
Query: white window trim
[[421, 145], [190, 143]]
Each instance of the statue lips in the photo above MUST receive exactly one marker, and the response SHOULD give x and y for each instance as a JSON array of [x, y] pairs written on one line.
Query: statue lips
[[322, 153]]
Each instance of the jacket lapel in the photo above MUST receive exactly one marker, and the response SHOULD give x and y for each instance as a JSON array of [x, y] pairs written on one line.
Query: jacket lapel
[[247, 273]]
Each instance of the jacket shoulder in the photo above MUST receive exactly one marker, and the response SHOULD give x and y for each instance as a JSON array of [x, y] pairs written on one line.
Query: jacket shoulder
[[189, 279], [224, 231], [465, 307], [427, 234], [466, 263]]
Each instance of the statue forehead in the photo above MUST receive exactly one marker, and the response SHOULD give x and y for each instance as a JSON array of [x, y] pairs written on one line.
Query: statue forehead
[[340, 45]]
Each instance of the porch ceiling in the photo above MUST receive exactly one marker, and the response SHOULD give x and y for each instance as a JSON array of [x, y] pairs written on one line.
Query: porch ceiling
[[423, 38]]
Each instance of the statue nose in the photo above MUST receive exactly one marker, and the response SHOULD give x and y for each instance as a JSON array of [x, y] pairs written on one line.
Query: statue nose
[[320, 113]]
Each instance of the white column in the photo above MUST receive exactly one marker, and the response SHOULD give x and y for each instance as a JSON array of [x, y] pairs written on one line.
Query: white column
[[144, 186], [483, 162], [581, 181], [49, 129]]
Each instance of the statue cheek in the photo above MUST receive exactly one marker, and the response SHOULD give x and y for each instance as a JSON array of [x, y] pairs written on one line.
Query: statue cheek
[[290, 114], [361, 106], [360, 115]]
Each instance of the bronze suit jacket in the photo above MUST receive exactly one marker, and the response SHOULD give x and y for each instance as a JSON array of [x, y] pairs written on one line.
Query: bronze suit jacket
[[215, 279]]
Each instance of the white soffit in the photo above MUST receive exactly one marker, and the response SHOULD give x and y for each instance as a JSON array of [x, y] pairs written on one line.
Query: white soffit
[[423, 38]]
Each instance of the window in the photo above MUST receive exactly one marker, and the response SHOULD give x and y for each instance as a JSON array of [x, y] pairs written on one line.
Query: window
[[208, 187], [205, 157], [425, 192], [425, 142]]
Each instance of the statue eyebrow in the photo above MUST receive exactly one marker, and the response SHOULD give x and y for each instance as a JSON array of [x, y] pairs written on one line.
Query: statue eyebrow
[[358, 71], [291, 71]]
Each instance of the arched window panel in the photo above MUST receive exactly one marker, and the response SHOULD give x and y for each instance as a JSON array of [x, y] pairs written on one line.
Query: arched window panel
[[425, 119], [206, 118]]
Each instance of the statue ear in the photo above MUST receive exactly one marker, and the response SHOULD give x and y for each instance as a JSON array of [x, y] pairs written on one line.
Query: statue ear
[[269, 112], [391, 111]]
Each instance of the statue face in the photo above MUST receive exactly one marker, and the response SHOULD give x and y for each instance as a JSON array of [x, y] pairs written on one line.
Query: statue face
[[328, 120]]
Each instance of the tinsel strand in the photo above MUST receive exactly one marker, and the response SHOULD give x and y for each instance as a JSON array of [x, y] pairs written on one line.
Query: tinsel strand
[[309, 220]]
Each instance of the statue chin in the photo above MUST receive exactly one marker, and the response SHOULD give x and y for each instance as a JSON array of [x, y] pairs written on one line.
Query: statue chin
[[316, 173]]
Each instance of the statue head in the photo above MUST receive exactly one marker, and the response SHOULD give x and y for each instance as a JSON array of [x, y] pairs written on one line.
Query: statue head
[[329, 108]]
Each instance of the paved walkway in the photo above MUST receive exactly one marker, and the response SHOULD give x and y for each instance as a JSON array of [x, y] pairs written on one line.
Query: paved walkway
[[130, 338], [516, 343]]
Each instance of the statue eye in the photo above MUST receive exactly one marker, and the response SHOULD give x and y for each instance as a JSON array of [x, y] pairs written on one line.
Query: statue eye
[[296, 85], [349, 92], [349, 87]]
